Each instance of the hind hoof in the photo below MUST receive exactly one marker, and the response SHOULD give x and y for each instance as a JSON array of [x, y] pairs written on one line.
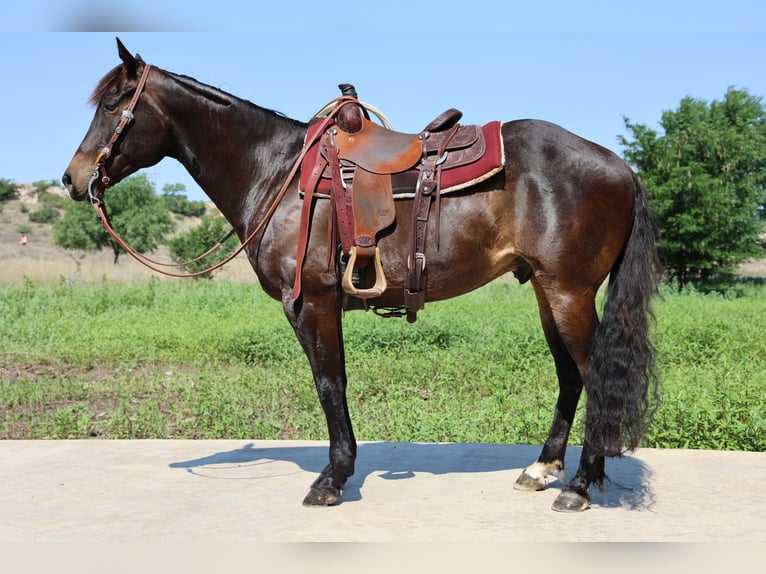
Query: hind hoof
[[570, 501], [529, 483], [317, 497]]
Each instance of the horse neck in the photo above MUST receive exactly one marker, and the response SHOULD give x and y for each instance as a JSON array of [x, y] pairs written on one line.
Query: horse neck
[[239, 153]]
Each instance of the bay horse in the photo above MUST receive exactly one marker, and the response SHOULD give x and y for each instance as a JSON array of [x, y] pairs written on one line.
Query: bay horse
[[563, 214]]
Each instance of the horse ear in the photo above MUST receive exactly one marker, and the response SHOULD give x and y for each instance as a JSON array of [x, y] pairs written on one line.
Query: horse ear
[[131, 63]]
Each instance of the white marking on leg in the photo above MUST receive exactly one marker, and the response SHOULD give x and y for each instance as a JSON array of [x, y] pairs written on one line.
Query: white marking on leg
[[540, 470]]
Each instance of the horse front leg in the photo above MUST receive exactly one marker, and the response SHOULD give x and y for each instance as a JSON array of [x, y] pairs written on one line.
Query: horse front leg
[[318, 327]]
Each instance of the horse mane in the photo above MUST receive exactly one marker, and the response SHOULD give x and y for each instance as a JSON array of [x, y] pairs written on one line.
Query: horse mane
[[224, 98], [215, 95]]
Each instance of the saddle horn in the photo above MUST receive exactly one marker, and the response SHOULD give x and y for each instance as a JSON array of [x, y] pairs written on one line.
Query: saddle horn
[[350, 117]]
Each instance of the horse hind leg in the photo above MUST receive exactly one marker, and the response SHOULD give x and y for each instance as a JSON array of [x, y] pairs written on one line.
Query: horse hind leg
[[568, 323], [551, 459]]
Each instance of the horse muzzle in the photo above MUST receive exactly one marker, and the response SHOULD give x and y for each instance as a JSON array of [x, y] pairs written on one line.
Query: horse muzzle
[[80, 187], [77, 193]]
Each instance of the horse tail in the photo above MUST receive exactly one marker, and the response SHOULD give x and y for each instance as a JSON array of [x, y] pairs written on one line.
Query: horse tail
[[622, 380]]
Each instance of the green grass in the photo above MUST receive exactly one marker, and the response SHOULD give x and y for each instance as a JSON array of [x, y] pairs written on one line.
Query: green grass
[[218, 360]]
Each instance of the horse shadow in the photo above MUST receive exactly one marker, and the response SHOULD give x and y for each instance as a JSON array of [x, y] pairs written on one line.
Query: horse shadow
[[629, 485]]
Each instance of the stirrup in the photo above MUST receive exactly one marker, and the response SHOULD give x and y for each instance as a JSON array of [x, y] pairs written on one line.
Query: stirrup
[[380, 278]]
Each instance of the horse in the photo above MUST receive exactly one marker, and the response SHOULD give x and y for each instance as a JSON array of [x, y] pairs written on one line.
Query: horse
[[563, 214]]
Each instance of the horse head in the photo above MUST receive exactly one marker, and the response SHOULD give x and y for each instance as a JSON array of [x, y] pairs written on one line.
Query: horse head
[[127, 132]]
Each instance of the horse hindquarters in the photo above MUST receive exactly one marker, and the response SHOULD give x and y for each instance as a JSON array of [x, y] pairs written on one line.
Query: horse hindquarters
[[613, 359]]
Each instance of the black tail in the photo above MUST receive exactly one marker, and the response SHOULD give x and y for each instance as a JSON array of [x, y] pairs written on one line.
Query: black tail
[[622, 381]]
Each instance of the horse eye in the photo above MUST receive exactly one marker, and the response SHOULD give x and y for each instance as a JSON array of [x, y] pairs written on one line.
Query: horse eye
[[109, 106]]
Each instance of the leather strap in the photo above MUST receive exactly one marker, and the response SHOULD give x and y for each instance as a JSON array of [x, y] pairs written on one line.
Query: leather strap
[[342, 199], [428, 186], [303, 230]]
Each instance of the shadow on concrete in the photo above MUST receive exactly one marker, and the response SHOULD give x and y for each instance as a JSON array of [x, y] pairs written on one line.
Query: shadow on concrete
[[629, 485]]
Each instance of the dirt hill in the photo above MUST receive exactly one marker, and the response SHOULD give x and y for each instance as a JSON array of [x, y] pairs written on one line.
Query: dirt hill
[[39, 259]]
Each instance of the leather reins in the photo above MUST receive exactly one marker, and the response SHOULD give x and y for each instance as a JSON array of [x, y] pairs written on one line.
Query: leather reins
[[99, 171]]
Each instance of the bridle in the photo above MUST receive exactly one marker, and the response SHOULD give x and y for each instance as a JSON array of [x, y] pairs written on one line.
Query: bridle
[[126, 117], [100, 172]]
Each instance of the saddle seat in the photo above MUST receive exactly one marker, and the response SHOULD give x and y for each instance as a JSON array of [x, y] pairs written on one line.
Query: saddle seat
[[384, 151], [379, 150]]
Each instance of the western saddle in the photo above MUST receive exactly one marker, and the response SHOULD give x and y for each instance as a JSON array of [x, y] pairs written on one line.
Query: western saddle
[[358, 164]]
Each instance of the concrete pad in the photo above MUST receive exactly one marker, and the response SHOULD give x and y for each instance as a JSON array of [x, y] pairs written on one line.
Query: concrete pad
[[240, 491]]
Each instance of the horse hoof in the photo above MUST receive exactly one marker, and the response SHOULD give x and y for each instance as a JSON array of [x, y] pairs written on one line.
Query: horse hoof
[[529, 483], [317, 497], [569, 501]]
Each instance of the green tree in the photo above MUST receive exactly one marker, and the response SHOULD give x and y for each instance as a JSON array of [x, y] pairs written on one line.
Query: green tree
[[53, 200], [45, 214], [197, 240], [177, 202], [7, 189], [707, 176], [135, 211]]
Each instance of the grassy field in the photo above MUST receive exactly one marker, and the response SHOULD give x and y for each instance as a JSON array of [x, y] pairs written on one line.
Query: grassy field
[[92, 349], [158, 359]]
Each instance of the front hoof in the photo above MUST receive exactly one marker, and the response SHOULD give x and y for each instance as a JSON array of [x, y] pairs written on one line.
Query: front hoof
[[317, 497], [570, 501], [529, 483]]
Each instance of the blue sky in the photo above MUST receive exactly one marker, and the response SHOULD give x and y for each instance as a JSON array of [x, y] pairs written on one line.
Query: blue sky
[[582, 65]]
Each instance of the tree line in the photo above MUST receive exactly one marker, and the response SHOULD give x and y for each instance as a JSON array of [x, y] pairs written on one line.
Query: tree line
[[705, 172]]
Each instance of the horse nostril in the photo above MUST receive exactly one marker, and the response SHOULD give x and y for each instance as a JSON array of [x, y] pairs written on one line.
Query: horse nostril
[[66, 179]]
